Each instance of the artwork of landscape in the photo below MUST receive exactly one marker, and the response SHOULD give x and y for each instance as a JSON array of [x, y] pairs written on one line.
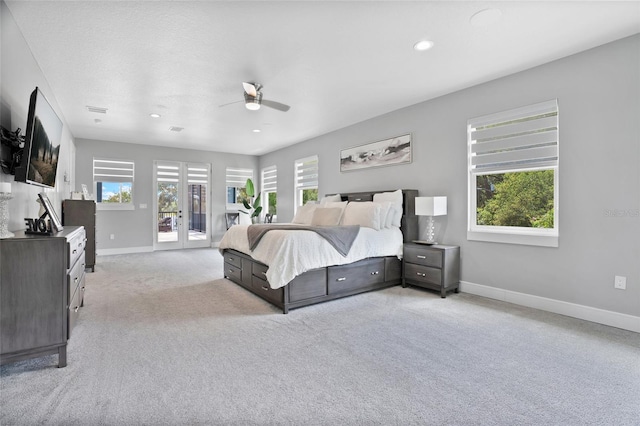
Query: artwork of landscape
[[387, 152]]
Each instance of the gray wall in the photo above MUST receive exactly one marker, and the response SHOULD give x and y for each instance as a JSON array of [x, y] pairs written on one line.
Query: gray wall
[[598, 93], [19, 76], [134, 228]]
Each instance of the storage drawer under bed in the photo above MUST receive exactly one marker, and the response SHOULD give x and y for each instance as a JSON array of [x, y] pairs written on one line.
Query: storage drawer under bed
[[345, 278]]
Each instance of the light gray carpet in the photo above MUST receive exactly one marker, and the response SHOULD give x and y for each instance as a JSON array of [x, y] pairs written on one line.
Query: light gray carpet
[[163, 339]]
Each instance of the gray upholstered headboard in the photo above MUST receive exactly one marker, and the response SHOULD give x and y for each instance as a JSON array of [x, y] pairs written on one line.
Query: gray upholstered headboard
[[409, 226]]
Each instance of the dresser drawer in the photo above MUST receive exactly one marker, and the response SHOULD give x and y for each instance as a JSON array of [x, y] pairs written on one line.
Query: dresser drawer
[[422, 255], [262, 288], [74, 312], [75, 276], [348, 277], [233, 259], [75, 247], [422, 274]]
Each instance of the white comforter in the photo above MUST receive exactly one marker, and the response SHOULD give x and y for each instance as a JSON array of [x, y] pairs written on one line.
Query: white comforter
[[290, 253]]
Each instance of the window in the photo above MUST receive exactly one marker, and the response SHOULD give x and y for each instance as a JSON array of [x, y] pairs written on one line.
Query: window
[[113, 184], [306, 180], [513, 176], [236, 181], [269, 190]]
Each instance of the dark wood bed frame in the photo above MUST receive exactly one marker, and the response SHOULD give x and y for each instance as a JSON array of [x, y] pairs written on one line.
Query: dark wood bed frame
[[331, 282]]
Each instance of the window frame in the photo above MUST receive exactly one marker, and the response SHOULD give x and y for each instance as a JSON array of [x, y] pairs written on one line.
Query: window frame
[[305, 175], [118, 175], [268, 185], [545, 237], [236, 177]]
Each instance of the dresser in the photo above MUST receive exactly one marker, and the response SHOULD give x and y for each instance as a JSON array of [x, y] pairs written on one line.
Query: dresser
[[83, 213], [41, 291], [436, 267]]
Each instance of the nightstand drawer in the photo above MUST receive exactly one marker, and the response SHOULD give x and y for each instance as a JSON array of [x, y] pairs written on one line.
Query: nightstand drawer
[[423, 274], [423, 255]]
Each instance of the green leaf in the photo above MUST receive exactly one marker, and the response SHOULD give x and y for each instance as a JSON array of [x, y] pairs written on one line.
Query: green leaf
[[249, 188], [246, 204], [256, 212]]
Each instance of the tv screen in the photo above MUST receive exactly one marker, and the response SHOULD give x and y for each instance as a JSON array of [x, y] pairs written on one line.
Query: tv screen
[[39, 161]]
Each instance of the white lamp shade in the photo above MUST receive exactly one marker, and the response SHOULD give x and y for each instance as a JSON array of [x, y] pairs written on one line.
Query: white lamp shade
[[431, 206]]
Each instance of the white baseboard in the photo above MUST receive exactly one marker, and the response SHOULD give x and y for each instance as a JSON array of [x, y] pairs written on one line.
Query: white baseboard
[[601, 316], [124, 250]]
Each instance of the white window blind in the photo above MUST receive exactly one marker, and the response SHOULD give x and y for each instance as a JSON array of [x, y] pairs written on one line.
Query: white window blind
[[307, 172], [113, 170], [522, 138], [237, 178], [270, 179]]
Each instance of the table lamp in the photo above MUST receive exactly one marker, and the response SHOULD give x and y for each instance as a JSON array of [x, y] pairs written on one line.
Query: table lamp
[[430, 207]]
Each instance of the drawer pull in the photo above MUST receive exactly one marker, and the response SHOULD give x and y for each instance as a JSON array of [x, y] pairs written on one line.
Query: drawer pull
[[264, 273], [419, 256], [375, 273], [76, 309], [231, 259], [231, 271], [421, 275], [265, 288], [75, 280], [74, 252], [342, 279]]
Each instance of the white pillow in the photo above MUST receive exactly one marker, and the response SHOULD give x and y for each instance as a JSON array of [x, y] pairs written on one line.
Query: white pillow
[[335, 204], [386, 214], [396, 199], [365, 213], [330, 198], [326, 216], [304, 215]]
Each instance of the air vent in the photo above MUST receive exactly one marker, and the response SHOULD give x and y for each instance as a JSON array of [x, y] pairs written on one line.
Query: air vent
[[176, 129], [98, 110]]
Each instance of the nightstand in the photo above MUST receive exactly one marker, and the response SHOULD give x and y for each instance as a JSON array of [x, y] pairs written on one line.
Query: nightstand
[[436, 267]]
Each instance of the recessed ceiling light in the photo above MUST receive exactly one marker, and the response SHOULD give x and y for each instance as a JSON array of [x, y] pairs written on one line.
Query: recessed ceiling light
[[423, 45], [256, 130], [485, 17], [154, 115]]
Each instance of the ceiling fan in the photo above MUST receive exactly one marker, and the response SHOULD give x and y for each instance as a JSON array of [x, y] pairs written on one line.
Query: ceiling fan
[[253, 99]]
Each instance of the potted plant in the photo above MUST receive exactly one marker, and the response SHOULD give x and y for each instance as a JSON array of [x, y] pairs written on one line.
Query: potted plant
[[250, 203]]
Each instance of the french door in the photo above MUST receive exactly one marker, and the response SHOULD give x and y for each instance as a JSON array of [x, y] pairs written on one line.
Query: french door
[[181, 205]]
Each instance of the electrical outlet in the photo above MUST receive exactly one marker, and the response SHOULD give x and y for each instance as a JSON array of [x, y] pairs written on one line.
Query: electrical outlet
[[112, 236], [620, 283]]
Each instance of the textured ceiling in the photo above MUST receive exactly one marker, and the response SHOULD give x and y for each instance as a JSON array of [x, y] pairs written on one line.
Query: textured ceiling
[[336, 63]]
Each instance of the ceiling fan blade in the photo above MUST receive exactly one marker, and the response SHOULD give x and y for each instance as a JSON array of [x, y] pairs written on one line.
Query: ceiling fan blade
[[250, 89], [276, 105], [229, 103]]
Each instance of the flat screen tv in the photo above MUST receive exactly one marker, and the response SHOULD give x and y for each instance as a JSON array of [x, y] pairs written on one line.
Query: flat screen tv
[[39, 161]]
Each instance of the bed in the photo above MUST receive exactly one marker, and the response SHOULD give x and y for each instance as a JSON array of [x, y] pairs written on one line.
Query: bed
[[276, 269]]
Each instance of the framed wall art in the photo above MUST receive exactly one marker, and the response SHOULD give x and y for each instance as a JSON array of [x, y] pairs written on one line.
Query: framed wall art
[[387, 152]]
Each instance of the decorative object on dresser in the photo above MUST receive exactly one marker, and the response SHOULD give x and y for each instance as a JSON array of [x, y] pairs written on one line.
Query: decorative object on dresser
[[5, 196], [436, 267], [83, 213], [388, 152], [41, 291], [430, 207], [332, 281]]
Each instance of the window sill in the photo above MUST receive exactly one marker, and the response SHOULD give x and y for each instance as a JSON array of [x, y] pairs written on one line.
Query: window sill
[[514, 238]]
